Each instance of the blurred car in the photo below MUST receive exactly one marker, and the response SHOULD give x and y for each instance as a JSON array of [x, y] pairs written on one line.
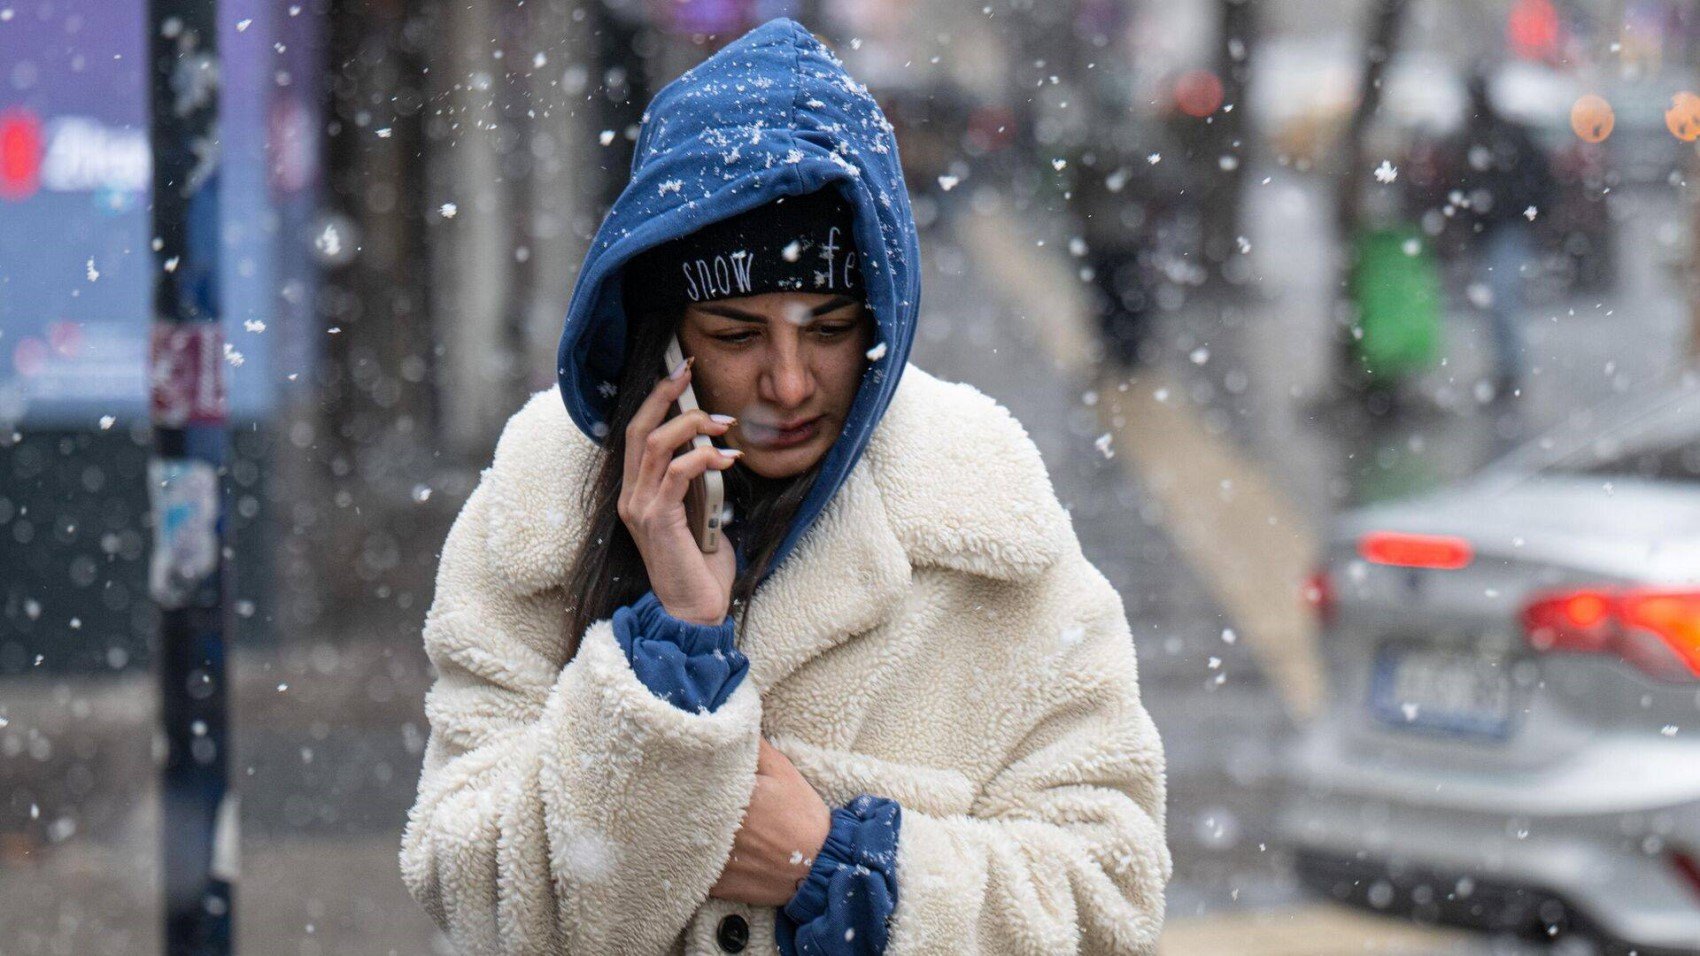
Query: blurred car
[[1513, 736]]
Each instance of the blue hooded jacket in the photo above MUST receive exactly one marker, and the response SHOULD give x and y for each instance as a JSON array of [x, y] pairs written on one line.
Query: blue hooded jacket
[[772, 114]]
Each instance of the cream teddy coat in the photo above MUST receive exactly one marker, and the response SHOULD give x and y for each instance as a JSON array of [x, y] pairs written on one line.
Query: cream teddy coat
[[937, 638]]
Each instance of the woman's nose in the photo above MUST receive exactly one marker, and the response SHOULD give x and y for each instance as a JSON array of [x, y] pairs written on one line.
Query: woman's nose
[[790, 380]]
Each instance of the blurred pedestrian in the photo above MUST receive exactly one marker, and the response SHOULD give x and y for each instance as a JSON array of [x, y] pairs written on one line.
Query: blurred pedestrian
[[923, 727], [1117, 200], [1501, 179]]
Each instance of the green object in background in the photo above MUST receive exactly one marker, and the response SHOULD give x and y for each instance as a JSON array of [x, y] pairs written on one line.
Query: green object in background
[[1395, 285]]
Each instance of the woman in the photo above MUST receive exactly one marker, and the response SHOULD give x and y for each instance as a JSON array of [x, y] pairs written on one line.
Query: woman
[[897, 711]]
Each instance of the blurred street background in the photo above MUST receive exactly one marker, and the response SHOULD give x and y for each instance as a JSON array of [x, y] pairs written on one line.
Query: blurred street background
[[1243, 268]]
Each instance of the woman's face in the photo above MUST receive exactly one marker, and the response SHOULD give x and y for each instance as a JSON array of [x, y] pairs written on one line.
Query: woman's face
[[777, 360]]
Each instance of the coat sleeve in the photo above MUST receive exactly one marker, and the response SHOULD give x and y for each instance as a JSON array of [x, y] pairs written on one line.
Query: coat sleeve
[[561, 808], [1064, 848]]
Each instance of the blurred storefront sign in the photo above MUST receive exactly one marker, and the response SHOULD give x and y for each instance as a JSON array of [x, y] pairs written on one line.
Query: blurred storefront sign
[[75, 170]]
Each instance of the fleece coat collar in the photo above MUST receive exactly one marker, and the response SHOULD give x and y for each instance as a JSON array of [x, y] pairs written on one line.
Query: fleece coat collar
[[920, 496]]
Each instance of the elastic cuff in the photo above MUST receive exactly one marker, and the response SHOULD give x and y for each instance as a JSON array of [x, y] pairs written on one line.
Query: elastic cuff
[[654, 623], [863, 833]]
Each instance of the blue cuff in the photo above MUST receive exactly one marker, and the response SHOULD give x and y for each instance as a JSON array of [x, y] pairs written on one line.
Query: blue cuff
[[693, 666], [847, 899]]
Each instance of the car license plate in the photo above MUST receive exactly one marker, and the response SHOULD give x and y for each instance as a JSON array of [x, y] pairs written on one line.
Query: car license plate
[[1447, 691]]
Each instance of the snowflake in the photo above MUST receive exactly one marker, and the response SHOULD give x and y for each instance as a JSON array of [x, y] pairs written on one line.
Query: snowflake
[[876, 353], [671, 186], [1386, 172]]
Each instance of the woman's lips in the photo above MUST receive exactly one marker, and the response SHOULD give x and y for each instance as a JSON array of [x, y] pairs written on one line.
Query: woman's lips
[[784, 438]]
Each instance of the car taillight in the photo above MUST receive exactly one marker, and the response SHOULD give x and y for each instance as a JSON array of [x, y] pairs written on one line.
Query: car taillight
[[1687, 869], [1319, 594], [1656, 630], [1397, 548]]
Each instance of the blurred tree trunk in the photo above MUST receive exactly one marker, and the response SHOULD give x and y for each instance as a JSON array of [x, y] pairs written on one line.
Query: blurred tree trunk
[[1223, 171], [376, 411], [1386, 20], [516, 113]]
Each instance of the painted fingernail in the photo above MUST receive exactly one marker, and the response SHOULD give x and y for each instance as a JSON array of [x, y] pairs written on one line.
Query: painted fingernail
[[679, 370], [722, 419], [731, 452]]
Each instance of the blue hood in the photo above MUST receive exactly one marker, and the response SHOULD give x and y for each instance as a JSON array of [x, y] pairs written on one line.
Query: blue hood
[[772, 114]]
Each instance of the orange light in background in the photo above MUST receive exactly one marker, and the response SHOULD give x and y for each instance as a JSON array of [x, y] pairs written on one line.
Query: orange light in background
[[1198, 93], [1683, 117], [1592, 118], [1533, 29]]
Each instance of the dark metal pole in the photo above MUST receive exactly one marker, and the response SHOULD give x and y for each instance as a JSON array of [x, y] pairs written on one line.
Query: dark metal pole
[[186, 574]]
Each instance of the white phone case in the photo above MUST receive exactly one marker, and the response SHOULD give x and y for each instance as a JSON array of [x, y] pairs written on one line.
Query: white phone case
[[707, 495]]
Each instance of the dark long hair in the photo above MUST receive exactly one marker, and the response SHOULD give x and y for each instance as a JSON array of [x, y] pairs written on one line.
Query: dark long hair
[[608, 571]]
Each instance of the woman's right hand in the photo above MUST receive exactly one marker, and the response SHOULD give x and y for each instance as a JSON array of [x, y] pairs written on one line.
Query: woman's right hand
[[692, 586]]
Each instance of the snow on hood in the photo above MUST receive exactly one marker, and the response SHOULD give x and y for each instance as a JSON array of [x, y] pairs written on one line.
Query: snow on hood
[[772, 114]]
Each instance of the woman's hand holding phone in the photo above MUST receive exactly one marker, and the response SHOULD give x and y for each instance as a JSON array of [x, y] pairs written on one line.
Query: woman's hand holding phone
[[692, 586]]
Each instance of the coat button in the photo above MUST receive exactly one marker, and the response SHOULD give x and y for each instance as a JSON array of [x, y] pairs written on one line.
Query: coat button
[[733, 934]]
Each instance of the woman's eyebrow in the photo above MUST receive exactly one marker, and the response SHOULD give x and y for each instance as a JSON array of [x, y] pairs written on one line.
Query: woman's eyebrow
[[728, 312]]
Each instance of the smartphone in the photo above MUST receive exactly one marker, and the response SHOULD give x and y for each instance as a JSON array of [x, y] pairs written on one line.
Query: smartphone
[[706, 497]]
